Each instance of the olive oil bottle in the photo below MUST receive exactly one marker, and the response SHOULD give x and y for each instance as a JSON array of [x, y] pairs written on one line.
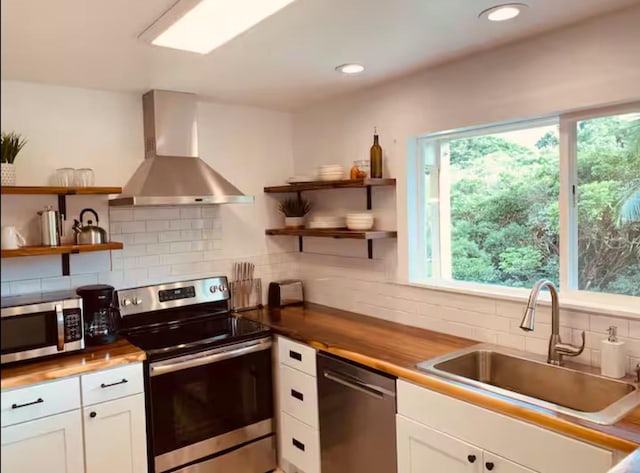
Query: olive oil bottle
[[376, 157]]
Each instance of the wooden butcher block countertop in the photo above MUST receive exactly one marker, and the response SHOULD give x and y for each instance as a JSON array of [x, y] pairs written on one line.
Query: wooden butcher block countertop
[[97, 358], [396, 349]]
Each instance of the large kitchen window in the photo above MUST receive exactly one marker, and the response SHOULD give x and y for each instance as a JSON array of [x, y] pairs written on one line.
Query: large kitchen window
[[555, 198]]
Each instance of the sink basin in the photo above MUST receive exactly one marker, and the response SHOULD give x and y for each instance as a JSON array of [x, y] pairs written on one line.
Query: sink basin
[[524, 377]]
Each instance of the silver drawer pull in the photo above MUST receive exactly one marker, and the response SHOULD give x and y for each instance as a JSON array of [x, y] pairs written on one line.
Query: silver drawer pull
[[113, 384], [18, 406]]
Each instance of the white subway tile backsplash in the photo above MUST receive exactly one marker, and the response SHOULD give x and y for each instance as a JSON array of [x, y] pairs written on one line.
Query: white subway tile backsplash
[[190, 212], [634, 329], [27, 286], [191, 235], [78, 280], [169, 236], [134, 250], [601, 324], [142, 238], [158, 225], [210, 211], [158, 248], [120, 215], [160, 213], [180, 224], [132, 227], [56, 284], [5, 289]]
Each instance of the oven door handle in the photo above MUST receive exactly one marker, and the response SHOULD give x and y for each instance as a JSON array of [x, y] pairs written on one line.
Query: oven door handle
[[60, 324], [211, 356]]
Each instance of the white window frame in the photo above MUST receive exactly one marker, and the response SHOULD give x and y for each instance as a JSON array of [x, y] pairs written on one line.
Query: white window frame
[[431, 145]]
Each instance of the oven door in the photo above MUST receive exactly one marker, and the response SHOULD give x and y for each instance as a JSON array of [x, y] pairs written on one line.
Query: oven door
[[39, 330], [208, 402]]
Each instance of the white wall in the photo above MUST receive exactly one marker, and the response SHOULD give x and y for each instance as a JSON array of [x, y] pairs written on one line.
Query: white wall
[[71, 127], [586, 65]]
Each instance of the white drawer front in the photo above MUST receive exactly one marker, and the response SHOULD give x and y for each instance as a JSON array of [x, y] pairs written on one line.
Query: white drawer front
[[112, 383], [40, 400], [297, 355], [300, 444], [299, 395], [501, 434]]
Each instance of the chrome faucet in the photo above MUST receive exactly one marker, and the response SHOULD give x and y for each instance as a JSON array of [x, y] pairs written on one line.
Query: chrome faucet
[[557, 349]]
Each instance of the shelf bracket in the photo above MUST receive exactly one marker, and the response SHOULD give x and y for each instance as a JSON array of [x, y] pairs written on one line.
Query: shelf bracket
[[62, 206], [300, 246], [370, 248], [369, 198], [66, 265]]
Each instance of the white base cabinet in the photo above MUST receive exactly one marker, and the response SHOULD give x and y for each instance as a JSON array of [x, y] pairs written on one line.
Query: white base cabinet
[[435, 429], [51, 444], [115, 437], [422, 449], [94, 423]]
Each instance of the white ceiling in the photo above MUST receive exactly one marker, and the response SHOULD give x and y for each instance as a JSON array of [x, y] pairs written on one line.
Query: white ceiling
[[286, 62]]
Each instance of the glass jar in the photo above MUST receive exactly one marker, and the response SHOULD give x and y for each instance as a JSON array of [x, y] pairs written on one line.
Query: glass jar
[[363, 165], [84, 177], [64, 177]]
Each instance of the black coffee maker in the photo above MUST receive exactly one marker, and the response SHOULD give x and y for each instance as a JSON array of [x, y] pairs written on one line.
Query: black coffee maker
[[101, 316]]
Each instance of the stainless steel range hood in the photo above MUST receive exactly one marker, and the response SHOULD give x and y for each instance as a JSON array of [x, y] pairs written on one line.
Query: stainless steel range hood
[[172, 173]]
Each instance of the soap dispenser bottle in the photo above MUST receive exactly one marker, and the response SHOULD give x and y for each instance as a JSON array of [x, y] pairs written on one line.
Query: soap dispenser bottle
[[614, 357]]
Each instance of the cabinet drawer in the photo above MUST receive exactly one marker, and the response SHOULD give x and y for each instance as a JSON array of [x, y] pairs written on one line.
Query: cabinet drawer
[[40, 400], [112, 383], [297, 355], [300, 444], [500, 434], [299, 395]]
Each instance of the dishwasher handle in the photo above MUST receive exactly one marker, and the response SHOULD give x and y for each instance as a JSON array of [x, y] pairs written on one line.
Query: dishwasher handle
[[354, 383]]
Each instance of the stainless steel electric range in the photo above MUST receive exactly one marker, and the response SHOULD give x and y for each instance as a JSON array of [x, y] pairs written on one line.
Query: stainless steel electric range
[[208, 378]]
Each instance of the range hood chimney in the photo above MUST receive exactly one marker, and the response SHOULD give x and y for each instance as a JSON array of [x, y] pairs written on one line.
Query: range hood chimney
[[172, 173]]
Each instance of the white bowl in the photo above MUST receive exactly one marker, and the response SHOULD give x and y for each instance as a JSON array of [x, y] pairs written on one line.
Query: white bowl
[[359, 226], [331, 177], [360, 215]]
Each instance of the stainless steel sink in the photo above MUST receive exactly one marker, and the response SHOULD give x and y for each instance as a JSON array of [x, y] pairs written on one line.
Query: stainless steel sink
[[528, 378]]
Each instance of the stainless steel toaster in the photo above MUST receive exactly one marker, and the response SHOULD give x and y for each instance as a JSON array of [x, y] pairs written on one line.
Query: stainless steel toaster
[[285, 292]]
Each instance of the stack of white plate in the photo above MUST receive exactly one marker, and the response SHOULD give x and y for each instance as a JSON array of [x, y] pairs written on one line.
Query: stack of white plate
[[360, 221], [326, 221], [331, 172], [296, 179]]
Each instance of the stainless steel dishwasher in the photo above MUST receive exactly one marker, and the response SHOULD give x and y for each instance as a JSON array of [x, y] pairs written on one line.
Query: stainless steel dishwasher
[[357, 409]]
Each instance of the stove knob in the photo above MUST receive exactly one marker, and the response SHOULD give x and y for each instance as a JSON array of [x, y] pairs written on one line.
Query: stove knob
[[125, 302], [222, 288], [213, 289], [137, 301]]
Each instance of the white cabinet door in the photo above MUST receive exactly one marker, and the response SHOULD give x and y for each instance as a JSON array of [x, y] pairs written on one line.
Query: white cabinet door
[[424, 450], [115, 436], [495, 464], [52, 444]]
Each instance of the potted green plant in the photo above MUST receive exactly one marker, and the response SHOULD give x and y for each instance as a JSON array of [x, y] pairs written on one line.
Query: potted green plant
[[10, 145], [294, 210]]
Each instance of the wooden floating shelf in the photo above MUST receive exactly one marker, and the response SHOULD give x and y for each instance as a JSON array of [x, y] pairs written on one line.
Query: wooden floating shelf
[[333, 233], [52, 190], [342, 184], [59, 250]]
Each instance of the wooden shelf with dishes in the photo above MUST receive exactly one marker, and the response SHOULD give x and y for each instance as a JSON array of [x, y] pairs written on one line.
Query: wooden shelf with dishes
[[63, 250], [338, 233]]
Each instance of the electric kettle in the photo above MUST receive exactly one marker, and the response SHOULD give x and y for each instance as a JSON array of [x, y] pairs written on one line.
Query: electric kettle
[[89, 234]]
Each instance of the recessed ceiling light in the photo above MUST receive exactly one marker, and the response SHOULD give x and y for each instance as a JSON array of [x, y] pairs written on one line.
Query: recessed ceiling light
[[504, 12], [350, 68], [200, 26]]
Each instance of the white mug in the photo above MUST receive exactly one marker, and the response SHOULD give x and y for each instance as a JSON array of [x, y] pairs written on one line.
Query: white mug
[[11, 238]]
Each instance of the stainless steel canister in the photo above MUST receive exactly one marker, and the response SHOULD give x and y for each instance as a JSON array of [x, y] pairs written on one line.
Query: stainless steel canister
[[50, 226]]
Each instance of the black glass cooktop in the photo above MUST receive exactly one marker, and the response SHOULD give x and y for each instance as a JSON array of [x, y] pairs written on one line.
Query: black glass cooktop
[[193, 336]]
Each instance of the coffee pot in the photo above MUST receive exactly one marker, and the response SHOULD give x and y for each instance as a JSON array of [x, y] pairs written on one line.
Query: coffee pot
[[89, 234]]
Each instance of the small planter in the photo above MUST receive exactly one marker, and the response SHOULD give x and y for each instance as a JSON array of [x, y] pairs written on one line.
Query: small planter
[[294, 222], [8, 174]]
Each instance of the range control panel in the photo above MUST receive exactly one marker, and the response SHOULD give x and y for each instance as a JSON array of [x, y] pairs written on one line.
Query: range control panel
[[165, 296], [176, 294]]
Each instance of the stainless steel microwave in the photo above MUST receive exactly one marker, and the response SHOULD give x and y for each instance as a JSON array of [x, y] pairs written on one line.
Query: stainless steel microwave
[[40, 325]]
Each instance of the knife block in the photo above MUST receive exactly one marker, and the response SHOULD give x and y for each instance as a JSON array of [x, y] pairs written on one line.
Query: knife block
[[246, 294]]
